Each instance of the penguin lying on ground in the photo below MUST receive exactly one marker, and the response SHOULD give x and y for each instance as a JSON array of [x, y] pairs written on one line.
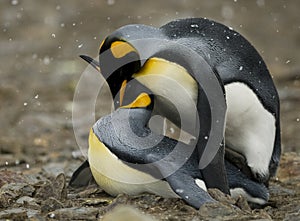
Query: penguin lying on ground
[[125, 156], [252, 123]]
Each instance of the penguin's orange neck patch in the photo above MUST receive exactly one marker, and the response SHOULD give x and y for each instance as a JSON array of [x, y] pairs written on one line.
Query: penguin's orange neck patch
[[142, 101], [120, 48]]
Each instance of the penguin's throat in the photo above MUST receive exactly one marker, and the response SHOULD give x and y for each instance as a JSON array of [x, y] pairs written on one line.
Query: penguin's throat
[[175, 90]]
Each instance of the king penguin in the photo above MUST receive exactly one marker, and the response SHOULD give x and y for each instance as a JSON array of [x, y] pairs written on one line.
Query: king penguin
[[252, 118], [125, 156]]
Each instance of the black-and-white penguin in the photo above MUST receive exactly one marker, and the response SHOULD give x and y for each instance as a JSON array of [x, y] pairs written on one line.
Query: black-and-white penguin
[[125, 156], [252, 119]]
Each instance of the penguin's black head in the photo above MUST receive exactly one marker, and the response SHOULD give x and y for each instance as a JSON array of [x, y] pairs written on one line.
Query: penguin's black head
[[137, 113], [123, 123], [126, 52], [118, 61], [120, 64]]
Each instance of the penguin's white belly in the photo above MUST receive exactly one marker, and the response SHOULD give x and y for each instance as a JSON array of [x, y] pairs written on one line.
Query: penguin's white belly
[[115, 177], [250, 128]]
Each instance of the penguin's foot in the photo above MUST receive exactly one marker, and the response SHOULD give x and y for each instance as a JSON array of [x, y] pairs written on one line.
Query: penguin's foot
[[242, 185], [237, 192]]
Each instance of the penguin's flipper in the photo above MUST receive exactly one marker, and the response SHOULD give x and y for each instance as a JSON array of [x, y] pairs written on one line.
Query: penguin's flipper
[[82, 176], [240, 184], [216, 167], [185, 186], [182, 181], [210, 144]]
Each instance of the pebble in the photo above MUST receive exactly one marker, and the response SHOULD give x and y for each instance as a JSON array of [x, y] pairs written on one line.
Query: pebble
[[56, 189], [28, 202], [11, 191], [121, 213], [72, 213], [14, 214], [50, 204]]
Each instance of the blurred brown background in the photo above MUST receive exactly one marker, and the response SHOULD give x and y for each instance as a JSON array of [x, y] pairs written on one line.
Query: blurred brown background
[[39, 68]]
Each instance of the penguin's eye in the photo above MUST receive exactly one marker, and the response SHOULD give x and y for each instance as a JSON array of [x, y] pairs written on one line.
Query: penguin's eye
[[120, 48]]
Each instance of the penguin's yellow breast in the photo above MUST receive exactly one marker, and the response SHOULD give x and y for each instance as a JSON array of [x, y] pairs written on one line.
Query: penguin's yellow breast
[[174, 85], [115, 177], [165, 77]]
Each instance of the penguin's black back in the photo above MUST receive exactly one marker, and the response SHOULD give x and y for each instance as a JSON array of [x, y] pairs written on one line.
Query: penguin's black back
[[235, 60], [228, 53]]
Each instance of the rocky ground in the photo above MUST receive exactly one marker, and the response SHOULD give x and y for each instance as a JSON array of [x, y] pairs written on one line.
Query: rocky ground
[[39, 68], [41, 192]]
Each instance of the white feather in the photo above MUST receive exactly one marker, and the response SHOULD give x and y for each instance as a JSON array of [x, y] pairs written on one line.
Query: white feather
[[201, 184], [250, 128]]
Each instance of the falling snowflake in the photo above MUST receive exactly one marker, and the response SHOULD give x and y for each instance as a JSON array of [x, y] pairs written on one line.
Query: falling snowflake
[[14, 2]]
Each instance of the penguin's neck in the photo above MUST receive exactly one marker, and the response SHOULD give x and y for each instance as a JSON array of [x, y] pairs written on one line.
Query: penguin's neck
[[137, 119], [173, 86]]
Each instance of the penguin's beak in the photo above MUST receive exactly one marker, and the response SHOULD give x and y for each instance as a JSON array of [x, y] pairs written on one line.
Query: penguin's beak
[[95, 64]]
